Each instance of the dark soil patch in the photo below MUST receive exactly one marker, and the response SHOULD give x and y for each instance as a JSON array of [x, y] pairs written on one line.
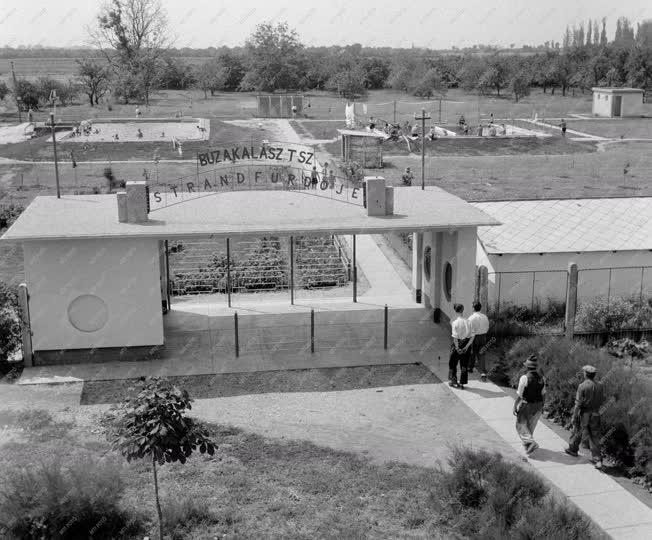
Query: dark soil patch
[[299, 380]]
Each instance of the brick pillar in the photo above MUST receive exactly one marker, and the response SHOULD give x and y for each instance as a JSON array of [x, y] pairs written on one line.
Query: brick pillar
[[571, 301], [23, 299]]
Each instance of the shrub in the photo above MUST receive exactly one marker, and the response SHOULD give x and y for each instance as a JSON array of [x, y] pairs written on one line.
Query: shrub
[[626, 417], [601, 314], [487, 497], [9, 214], [28, 419], [79, 501], [181, 515], [10, 326]]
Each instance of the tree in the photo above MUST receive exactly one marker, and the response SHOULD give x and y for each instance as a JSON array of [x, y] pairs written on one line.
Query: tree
[[519, 84], [4, 90], [349, 83], [209, 76], [152, 425], [376, 72], [94, 79], [27, 94], [274, 58], [133, 36], [496, 76], [603, 33], [431, 83]]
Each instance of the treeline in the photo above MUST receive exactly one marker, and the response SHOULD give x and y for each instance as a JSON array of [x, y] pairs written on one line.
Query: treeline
[[274, 59]]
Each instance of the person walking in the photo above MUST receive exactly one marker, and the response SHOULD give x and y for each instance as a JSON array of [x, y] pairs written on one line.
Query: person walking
[[479, 324], [462, 339], [586, 416], [314, 179], [529, 403], [562, 125]]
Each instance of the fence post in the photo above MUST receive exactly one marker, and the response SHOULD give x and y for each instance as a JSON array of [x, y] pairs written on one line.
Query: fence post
[[228, 273], [386, 325], [355, 273], [237, 342], [483, 288], [312, 330], [292, 270], [25, 326], [571, 301]]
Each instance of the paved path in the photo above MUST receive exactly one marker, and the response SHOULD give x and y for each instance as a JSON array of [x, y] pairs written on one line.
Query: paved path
[[382, 277], [613, 508]]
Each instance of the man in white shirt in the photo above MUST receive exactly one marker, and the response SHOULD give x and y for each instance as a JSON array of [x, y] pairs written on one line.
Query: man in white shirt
[[462, 342], [479, 327]]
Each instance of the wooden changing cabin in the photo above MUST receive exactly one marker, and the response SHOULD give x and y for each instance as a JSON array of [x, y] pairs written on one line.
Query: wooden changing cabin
[[365, 147]]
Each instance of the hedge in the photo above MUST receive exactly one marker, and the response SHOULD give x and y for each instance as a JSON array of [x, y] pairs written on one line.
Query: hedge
[[626, 415]]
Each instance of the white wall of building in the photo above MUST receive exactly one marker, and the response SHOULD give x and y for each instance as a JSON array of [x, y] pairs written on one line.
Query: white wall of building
[[457, 247], [517, 280], [632, 104], [119, 279]]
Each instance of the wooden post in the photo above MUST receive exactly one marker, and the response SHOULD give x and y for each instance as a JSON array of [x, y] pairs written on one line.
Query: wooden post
[[571, 301], [292, 270], [237, 340], [228, 271], [26, 330], [423, 119], [483, 288], [355, 273], [56, 161], [312, 331], [386, 325]]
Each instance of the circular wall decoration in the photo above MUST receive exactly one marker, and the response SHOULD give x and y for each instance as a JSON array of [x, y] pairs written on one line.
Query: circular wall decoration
[[88, 313], [448, 280], [427, 261]]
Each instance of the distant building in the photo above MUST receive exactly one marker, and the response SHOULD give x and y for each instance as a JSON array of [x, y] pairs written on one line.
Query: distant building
[[527, 257], [618, 102]]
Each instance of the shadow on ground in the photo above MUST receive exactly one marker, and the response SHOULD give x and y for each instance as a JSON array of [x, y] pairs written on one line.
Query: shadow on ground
[[264, 382]]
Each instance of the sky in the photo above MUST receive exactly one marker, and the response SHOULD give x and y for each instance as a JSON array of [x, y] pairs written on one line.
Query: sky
[[394, 23]]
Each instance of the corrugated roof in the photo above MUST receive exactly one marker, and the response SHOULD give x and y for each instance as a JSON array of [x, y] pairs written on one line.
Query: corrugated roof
[[549, 226]]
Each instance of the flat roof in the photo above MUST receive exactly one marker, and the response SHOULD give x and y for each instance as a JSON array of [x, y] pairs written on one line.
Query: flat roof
[[614, 89], [243, 213], [568, 225]]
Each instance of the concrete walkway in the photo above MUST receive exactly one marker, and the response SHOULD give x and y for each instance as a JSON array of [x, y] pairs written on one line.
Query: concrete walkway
[[609, 505], [382, 277]]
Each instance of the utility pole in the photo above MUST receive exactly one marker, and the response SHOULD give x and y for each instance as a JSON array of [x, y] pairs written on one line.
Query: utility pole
[[423, 119], [56, 163], [13, 75], [394, 112]]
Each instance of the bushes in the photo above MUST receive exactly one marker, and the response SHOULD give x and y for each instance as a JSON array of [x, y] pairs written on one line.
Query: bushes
[[80, 501], [602, 313], [626, 415], [10, 327], [9, 214], [182, 514], [487, 497]]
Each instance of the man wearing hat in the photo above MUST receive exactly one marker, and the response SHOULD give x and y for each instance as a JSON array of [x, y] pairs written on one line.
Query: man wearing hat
[[529, 403], [586, 416]]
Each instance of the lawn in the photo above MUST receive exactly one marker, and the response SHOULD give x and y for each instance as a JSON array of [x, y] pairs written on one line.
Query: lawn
[[598, 174], [630, 128]]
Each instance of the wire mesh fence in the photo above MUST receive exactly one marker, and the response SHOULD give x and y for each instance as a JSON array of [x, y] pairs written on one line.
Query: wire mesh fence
[[528, 297]]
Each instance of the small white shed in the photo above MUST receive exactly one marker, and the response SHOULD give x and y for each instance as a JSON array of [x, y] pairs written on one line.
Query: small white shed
[[618, 102]]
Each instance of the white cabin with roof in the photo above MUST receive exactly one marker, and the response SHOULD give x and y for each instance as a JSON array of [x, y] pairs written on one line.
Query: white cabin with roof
[[618, 102], [609, 239]]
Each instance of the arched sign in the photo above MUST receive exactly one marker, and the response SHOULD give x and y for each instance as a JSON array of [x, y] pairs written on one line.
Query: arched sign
[[268, 166]]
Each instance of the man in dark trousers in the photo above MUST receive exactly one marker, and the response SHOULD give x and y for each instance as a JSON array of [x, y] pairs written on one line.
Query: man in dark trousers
[[529, 403], [479, 327], [563, 127], [462, 341], [586, 417]]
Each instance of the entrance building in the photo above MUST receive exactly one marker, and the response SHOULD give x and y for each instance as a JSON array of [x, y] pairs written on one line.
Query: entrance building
[[96, 266]]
